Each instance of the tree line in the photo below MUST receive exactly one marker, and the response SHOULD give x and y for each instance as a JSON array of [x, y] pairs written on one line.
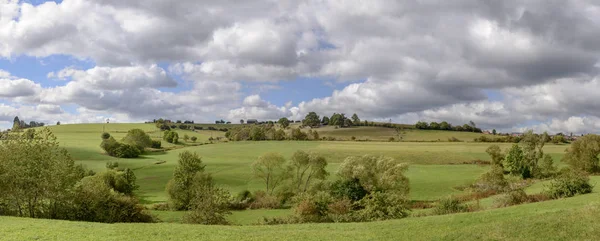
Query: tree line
[[470, 127], [20, 124]]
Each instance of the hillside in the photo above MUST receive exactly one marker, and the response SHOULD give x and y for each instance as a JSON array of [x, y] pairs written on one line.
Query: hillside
[[566, 219], [373, 133]]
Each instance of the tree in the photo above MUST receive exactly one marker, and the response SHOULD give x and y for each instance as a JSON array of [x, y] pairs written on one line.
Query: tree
[[242, 121], [583, 154], [337, 119], [171, 137], [557, 139], [496, 154], [137, 138], [422, 125], [36, 175], [514, 160], [186, 138], [494, 132], [16, 124], [434, 126], [533, 146], [445, 126], [194, 138], [209, 206], [312, 120], [188, 172], [472, 125], [325, 120], [284, 122], [375, 174], [306, 168], [355, 119], [270, 168]]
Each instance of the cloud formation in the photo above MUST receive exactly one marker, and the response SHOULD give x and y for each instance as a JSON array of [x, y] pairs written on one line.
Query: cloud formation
[[403, 60]]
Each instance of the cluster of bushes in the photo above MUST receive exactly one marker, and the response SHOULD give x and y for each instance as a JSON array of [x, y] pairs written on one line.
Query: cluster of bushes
[[369, 188], [131, 146], [46, 183], [171, 137], [505, 139], [447, 126]]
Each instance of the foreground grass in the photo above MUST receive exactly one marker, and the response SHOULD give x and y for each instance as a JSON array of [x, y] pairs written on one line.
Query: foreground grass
[[567, 219]]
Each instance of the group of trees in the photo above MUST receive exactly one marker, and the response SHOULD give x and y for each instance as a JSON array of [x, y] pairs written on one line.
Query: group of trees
[[20, 124], [171, 136], [269, 132], [470, 127], [39, 179], [368, 187], [131, 146]]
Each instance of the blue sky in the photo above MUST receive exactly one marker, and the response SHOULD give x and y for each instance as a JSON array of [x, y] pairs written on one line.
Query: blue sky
[[78, 61]]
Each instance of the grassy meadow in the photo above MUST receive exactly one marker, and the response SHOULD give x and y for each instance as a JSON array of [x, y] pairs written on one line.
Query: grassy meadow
[[437, 168]]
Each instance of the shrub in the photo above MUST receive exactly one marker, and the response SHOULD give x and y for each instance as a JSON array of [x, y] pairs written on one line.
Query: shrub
[[449, 205], [453, 139], [194, 139], [353, 138], [341, 211], [511, 198], [312, 208], [382, 206], [186, 137], [492, 180], [348, 189], [391, 139], [568, 184], [126, 151], [171, 137], [264, 200], [105, 136], [241, 201], [137, 138], [583, 154], [156, 144], [112, 165], [209, 206], [96, 202]]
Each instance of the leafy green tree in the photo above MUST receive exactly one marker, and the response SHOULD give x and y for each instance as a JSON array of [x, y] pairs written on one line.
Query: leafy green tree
[[445, 126], [298, 135], [257, 133], [305, 169], [188, 172], [279, 135], [271, 169], [36, 175], [547, 168], [355, 119], [496, 154], [494, 132], [16, 124], [325, 120], [376, 173], [137, 138], [514, 161], [472, 125], [422, 125], [105, 136], [583, 154], [284, 122], [186, 138], [533, 152], [209, 206], [171, 137], [312, 120], [434, 126], [337, 119]]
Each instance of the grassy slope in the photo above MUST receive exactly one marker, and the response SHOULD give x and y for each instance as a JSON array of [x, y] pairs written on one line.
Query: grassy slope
[[384, 134], [568, 219], [230, 162]]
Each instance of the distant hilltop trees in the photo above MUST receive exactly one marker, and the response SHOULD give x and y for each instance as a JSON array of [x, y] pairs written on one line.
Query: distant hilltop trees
[[470, 127], [20, 124]]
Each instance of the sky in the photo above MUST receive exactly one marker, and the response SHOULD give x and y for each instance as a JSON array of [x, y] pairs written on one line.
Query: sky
[[511, 65]]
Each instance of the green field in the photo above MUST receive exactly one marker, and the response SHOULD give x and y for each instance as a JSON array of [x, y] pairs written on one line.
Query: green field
[[566, 219], [436, 169], [384, 134]]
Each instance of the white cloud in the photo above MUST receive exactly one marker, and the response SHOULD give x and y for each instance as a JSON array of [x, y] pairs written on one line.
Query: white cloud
[[119, 78]]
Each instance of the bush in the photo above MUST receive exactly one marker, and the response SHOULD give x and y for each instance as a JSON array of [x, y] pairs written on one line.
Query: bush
[[120, 150], [96, 202], [263, 200], [382, 206], [569, 183], [137, 138], [449, 205], [492, 181], [513, 197], [105, 136], [171, 137], [209, 206], [348, 189], [312, 208], [156, 144], [194, 139], [241, 201], [112, 165]]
